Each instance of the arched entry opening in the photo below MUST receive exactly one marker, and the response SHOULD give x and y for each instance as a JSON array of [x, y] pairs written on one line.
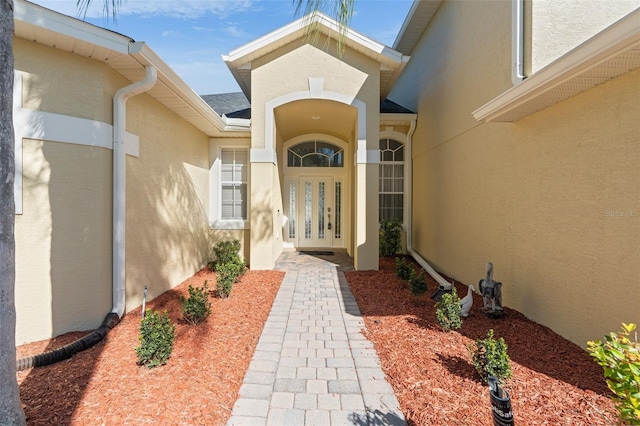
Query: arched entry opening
[[315, 145], [315, 192]]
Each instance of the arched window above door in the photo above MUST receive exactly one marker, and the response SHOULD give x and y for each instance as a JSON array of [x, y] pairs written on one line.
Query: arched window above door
[[315, 154]]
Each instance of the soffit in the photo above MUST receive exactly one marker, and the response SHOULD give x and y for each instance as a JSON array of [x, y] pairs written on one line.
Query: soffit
[[609, 54], [417, 20], [332, 118], [49, 28], [239, 60]]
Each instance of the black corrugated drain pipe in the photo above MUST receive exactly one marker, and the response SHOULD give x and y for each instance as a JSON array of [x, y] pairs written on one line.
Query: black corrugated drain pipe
[[67, 351]]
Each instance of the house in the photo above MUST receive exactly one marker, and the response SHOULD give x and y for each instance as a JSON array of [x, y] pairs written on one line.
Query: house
[[493, 130]]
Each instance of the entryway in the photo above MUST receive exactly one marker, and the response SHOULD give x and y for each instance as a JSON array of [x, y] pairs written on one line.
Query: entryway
[[316, 212]]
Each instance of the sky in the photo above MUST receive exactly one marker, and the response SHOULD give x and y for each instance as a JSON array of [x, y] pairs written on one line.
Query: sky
[[192, 35]]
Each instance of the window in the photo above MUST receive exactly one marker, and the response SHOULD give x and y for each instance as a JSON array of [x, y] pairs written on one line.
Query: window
[[315, 154], [391, 178], [233, 183]]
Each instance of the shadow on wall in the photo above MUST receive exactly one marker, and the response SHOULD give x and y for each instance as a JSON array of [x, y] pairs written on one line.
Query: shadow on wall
[[167, 227], [80, 202], [263, 216]]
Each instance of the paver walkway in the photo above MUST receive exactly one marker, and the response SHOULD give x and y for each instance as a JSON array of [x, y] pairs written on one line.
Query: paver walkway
[[312, 364]]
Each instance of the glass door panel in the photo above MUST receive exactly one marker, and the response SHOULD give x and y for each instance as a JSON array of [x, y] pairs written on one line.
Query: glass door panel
[[316, 200]]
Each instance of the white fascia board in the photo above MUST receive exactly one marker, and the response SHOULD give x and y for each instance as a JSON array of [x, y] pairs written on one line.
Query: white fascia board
[[400, 118], [615, 39], [406, 23], [327, 26], [241, 124], [146, 56], [41, 17]]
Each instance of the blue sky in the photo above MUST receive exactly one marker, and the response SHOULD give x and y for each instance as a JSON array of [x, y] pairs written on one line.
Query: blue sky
[[191, 35]]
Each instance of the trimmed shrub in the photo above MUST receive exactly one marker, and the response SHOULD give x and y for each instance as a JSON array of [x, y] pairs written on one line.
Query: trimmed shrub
[[403, 269], [156, 339], [226, 276], [448, 310], [619, 357], [489, 357], [197, 307], [390, 237], [227, 252], [417, 283]]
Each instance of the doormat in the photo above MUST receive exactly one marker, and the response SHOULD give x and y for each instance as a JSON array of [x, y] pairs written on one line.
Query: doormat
[[317, 253]]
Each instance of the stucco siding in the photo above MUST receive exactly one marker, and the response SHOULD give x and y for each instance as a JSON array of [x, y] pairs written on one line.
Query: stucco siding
[[64, 235], [552, 199], [285, 73], [167, 207], [558, 26], [63, 83], [459, 64], [63, 240]]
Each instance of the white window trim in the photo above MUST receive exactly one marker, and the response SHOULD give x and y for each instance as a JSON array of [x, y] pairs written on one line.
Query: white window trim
[[389, 133], [215, 194]]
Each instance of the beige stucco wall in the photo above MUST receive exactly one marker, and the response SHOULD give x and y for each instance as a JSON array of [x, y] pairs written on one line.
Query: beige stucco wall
[[63, 83], [241, 235], [167, 200], [552, 200], [63, 237], [560, 25], [286, 71], [63, 240]]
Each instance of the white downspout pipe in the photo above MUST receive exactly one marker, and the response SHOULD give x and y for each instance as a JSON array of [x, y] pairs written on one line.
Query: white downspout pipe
[[119, 183], [517, 41], [421, 261]]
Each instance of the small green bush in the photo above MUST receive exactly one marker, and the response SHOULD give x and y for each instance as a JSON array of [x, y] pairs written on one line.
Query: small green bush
[[390, 237], [156, 339], [403, 269], [417, 283], [448, 310], [197, 307], [619, 357], [489, 357], [227, 252], [226, 276]]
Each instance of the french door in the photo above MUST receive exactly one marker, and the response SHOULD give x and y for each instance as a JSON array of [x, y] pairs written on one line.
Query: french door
[[315, 212]]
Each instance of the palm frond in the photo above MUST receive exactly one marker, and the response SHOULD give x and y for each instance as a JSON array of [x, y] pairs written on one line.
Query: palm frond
[[340, 10], [109, 7]]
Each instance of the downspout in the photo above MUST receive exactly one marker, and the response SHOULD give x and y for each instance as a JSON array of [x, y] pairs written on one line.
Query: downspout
[[119, 183], [421, 261], [119, 187], [517, 41]]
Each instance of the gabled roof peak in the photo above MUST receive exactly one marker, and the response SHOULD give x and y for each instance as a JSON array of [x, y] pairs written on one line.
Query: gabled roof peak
[[239, 60]]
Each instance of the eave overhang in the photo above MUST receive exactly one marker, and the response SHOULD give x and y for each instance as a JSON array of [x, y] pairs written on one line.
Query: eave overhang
[[239, 60], [607, 55], [125, 56], [418, 19]]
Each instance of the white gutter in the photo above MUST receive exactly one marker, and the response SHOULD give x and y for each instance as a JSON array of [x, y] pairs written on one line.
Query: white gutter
[[119, 183], [517, 41], [421, 261]]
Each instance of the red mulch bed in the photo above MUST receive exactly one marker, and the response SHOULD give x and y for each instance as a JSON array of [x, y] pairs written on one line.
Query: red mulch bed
[[198, 385], [555, 382]]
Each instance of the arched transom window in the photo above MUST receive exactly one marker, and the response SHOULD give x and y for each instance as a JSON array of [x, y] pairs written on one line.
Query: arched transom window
[[391, 180], [315, 154]]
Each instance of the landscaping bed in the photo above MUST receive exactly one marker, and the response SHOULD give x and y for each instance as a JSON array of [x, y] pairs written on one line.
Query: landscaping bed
[[554, 381], [198, 385]]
